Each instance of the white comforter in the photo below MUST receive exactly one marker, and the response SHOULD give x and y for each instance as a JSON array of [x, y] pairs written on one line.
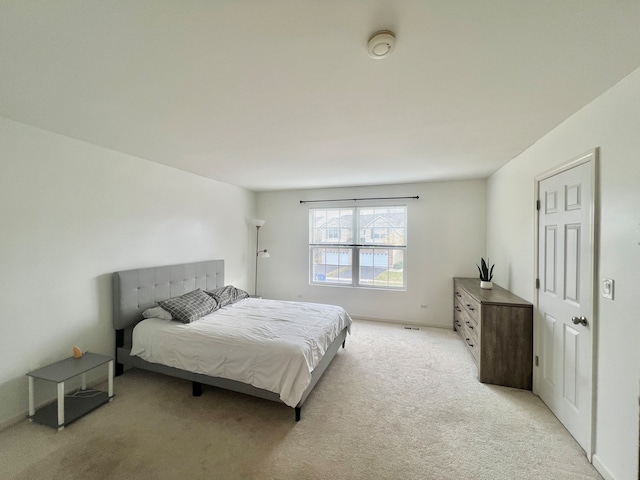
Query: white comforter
[[269, 344]]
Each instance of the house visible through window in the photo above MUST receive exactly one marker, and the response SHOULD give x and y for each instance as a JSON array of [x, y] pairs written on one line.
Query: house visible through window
[[358, 246]]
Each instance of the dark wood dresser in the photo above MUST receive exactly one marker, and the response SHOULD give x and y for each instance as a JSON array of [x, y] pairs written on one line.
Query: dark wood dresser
[[497, 328]]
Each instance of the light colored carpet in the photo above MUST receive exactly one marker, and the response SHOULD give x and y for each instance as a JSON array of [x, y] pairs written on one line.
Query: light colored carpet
[[395, 404]]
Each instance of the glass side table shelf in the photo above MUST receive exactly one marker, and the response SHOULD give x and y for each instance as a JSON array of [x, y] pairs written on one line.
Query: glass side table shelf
[[69, 408]]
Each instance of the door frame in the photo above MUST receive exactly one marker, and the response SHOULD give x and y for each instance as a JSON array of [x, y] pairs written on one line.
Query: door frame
[[592, 156]]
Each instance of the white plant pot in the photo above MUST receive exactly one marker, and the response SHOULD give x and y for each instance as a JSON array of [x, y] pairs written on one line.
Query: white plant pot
[[486, 285]]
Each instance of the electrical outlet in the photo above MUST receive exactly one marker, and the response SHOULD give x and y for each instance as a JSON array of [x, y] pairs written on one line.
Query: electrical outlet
[[424, 305]]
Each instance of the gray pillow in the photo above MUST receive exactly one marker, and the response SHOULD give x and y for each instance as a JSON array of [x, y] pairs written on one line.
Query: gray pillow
[[227, 295], [190, 306]]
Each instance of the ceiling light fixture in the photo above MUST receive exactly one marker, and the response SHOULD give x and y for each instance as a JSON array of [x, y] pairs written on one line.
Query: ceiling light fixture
[[381, 44]]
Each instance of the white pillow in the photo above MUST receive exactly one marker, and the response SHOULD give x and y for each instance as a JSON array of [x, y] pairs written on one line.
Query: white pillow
[[157, 312]]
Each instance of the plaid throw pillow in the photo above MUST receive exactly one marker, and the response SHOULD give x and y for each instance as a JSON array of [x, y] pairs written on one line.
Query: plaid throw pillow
[[190, 306], [227, 295]]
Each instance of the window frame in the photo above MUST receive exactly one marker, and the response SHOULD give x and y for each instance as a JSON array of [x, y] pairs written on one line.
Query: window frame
[[355, 248]]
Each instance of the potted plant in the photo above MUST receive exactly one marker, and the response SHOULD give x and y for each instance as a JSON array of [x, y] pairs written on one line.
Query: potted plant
[[486, 274]]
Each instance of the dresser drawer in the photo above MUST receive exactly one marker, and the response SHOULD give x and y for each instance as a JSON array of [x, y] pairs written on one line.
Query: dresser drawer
[[463, 316], [469, 336], [468, 302], [471, 341], [458, 322], [473, 328], [458, 315]]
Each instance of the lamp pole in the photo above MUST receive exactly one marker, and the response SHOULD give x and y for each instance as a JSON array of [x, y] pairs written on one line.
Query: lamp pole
[[255, 287], [259, 253]]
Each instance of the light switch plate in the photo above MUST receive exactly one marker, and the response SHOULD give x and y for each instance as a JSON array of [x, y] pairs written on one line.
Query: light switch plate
[[607, 288]]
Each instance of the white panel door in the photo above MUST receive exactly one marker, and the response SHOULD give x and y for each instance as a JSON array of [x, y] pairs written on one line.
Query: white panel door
[[565, 299]]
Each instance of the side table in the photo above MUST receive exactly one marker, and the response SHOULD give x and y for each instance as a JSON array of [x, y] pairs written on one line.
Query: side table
[[61, 413]]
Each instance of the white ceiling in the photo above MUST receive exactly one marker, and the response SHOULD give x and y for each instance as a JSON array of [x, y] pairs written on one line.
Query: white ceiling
[[281, 94]]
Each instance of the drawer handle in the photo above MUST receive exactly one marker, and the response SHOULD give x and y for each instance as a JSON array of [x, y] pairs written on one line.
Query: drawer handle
[[468, 342], [469, 325], [458, 309], [470, 307], [458, 295], [458, 323]]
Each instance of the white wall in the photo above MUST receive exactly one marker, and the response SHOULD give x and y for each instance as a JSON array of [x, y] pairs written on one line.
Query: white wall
[[71, 213], [611, 122], [446, 237]]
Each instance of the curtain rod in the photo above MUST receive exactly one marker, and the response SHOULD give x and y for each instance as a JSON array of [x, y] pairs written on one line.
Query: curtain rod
[[358, 199]]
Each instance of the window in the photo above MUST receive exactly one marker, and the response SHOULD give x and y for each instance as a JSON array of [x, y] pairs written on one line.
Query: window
[[358, 246]]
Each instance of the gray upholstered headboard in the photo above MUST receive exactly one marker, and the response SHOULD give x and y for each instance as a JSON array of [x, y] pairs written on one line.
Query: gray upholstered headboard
[[136, 290]]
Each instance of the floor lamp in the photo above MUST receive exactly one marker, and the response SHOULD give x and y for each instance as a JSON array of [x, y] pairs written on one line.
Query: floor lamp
[[259, 253]]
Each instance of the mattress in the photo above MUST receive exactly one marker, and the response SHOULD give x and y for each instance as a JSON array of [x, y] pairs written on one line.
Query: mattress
[[270, 344]]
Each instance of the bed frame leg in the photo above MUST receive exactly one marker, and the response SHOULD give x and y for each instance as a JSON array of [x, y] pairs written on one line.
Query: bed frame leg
[[196, 388], [119, 343], [297, 409]]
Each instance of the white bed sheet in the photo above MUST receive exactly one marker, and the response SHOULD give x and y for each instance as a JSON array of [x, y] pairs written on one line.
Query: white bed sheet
[[270, 344]]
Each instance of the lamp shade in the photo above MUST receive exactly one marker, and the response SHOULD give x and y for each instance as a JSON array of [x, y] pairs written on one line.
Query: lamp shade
[[258, 222]]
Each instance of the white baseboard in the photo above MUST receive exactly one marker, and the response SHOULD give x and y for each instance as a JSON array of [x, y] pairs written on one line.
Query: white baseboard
[[14, 420], [602, 470], [402, 322]]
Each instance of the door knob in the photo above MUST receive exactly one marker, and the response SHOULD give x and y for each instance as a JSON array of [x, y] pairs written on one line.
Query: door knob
[[580, 321]]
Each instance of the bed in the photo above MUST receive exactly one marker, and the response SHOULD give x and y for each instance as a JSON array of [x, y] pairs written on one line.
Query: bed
[[135, 291]]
